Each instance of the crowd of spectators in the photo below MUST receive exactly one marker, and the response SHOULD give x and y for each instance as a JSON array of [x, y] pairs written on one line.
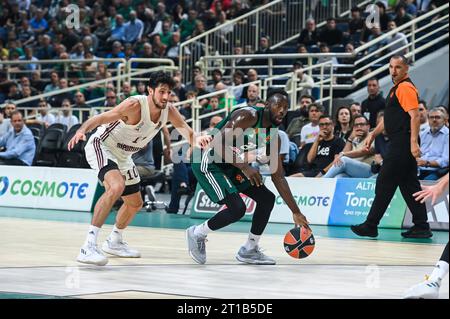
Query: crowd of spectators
[[315, 144]]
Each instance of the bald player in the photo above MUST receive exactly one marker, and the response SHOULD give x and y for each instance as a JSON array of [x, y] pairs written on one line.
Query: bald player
[[224, 171]]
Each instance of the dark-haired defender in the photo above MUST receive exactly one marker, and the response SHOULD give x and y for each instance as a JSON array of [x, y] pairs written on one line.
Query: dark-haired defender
[[223, 176], [123, 131]]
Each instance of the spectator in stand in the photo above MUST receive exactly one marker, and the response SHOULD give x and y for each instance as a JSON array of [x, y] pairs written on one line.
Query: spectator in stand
[[196, 70], [45, 50], [179, 88], [186, 109], [444, 109], [224, 100], [80, 103], [166, 32], [115, 54], [38, 23], [25, 33], [356, 109], [326, 49], [217, 77], [111, 99], [411, 7], [56, 100], [330, 35], [200, 88], [29, 57], [304, 81], [324, 149], [147, 54], [54, 84], [133, 29], [374, 103], [187, 26], [309, 36], [295, 120], [26, 92], [401, 17], [375, 33], [238, 79], [178, 14], [398, 40], [311, 130], [343, 120], [301, 48], [355, 159], [37, 82], [384, 17], [356, 24], [173, 51], [87, 34], [18, 144], [66, 117], [252, 76], [213, 103], [9, 109], [118, 30], [253, 98], [5, 124], [127, 91], [13, 92], [264, 49], [423, 113], [44, 117], [434, 147]]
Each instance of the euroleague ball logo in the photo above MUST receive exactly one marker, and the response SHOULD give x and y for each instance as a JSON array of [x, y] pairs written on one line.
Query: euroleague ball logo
[[4, 183]]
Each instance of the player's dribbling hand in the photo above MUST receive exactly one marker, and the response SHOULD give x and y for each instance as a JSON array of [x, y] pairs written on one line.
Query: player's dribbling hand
[[300, 220], [79, 136]]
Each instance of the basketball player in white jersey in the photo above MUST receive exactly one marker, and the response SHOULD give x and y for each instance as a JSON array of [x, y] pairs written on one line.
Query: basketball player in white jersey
[[122, 131]]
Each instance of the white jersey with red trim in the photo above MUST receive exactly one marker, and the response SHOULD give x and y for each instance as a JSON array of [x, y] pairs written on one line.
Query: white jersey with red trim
[[124, 140], [118, 141]]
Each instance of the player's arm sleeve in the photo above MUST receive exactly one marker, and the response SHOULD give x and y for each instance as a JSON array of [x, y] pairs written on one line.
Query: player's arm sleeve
[[407, 96]]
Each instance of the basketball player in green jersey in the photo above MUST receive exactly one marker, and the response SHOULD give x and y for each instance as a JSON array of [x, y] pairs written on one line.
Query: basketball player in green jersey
[[223, 171]]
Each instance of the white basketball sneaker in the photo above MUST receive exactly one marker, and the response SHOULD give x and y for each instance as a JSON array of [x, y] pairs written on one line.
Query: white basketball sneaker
[[428, 289], [120, 249], [90, 254]]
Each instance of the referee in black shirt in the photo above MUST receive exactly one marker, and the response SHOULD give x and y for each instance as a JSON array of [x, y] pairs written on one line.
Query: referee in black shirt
[[401, 123]]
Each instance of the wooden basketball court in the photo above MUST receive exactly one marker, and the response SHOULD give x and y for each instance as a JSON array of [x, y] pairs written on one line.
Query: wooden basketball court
[[39, 250]]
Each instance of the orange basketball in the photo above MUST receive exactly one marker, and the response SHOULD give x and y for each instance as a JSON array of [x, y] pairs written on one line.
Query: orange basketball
[[299, 242]]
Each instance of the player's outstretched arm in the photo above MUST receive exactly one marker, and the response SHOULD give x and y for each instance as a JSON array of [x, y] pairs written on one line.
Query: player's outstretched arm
[[121, 111], [283, 188], [185, 130]]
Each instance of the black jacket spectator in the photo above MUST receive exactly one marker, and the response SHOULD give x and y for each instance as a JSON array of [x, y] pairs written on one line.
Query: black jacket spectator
[[330, 35]]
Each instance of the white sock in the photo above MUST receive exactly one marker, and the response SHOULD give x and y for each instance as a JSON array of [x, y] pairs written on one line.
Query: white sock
[[92, 235], [252, 241], [440, 271], [202, 230], [116, 234]]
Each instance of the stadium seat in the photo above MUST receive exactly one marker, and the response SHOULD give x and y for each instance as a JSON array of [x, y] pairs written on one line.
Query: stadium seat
[[76, 157], [50, 147], [58, 126]]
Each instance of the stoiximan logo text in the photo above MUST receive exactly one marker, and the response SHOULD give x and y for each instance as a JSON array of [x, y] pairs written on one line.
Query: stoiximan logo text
[[4, 183], [43, 188]]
